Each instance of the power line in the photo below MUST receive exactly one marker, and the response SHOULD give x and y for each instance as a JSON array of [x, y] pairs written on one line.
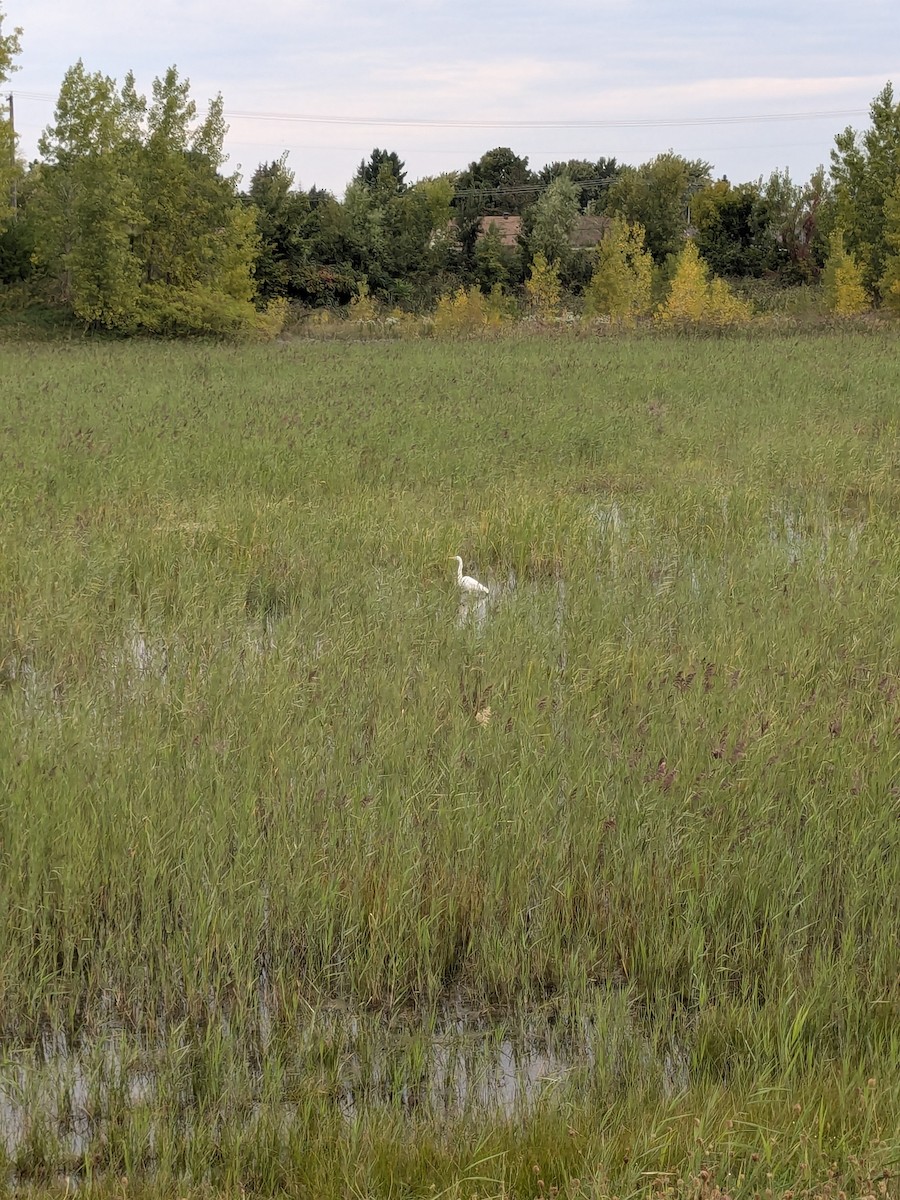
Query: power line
[[634, 123], [426, 123], [514, 189]]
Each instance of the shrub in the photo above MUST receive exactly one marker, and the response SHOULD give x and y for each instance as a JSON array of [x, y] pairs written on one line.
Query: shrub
[[694, 298], [469, 311], [362, 306]]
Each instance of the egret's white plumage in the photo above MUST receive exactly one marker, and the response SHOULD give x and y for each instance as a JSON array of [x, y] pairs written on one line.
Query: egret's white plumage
[[466, 582]]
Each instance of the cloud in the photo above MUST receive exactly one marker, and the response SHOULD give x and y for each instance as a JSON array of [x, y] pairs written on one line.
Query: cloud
[[457, 60]]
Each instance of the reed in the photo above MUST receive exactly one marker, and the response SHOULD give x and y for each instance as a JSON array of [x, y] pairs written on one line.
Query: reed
[[315, 884]]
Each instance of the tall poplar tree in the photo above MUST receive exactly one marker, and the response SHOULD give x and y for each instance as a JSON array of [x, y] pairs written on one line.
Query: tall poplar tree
[[865, 168], [136, 226], [87, 209], [9, 47]]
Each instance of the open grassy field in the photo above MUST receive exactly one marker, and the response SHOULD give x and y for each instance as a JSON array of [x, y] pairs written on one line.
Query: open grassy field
[[316, 883]]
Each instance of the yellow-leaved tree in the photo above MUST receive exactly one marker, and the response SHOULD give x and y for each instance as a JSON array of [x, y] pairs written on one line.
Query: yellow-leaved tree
[[694, 298], [842, 279], [362, 306], [542, 288], [621, 280]]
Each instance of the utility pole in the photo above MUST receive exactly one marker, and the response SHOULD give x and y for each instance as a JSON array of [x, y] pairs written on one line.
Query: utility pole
[[12, 155]]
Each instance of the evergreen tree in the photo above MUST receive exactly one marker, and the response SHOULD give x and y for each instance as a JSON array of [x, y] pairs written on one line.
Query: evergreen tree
[[383, 170]]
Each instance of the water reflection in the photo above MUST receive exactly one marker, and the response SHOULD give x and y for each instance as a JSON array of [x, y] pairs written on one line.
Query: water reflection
[[459, 1062]]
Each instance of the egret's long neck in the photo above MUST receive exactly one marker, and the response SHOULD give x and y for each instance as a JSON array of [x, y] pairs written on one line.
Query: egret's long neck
[[458, 569]]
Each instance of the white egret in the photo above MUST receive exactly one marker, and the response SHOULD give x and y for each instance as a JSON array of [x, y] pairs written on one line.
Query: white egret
[[466, 582]]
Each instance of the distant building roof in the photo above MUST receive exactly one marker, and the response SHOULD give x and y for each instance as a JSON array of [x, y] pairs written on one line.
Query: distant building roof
[[588, 231], [508, 227]]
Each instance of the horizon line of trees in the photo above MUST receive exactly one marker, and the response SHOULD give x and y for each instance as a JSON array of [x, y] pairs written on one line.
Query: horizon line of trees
[[128, 221]]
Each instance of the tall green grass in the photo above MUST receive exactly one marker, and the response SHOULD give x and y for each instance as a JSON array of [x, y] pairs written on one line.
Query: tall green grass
[[313, 883]]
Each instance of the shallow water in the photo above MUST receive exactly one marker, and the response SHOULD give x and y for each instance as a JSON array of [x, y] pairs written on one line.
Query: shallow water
[[146, 659], [462, 1063]]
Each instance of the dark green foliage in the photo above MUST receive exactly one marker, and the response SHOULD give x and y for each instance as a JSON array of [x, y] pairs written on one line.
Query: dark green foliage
[[658, 196], [382, 169], [499, 182], [593, 178], [287, 222], [16, 251], [735, 234], [802, 217], [493, 260]]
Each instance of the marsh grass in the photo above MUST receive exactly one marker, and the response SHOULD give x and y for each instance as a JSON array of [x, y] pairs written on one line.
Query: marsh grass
[[310, 886]]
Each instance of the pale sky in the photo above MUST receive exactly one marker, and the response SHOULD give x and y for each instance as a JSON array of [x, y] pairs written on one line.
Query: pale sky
[[622, 78]]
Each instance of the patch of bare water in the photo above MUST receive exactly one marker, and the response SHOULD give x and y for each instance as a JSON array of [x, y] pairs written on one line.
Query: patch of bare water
[[461, 1063], [812, 533]]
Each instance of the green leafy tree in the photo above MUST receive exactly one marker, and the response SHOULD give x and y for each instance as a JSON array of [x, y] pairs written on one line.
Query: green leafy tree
[[658, 196], [185, 202], [553, 217], [801, 217], [890, 279], [406, 255], [329, 277], [10, 46], [499, 182], [442, 241], [492, 260], [438, 192], [734, 230], [620, 286], [389, 236], [196, 245], [285, 223], [365, 228], [136, 225], [592, 178], [88, 209], [865, 168], [17, 240]]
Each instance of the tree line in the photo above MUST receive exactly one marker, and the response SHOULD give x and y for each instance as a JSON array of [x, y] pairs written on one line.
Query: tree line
[[128, 221]]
